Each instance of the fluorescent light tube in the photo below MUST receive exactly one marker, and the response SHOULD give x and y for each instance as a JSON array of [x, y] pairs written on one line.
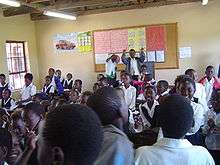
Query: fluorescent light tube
[[205, 2], [59, 15], [10, 3]]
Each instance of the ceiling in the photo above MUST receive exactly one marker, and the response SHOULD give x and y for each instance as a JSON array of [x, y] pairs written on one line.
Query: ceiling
[[83, 7]]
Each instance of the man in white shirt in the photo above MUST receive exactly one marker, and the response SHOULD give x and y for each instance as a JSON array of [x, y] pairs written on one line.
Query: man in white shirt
[[29, 88], [176, 119]]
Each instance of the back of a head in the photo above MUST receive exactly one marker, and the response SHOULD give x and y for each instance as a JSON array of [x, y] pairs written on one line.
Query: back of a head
[[164, 83], [106, 103], [5, 138], [175, 116], [34, 107], [76, 130]]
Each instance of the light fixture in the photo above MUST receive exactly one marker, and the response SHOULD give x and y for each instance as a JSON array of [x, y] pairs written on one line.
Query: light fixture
[[205, 2], [59, 15], [10, 3]]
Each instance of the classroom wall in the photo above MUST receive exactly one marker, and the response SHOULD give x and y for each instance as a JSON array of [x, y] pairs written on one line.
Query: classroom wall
[[198, 27], [19, 28]]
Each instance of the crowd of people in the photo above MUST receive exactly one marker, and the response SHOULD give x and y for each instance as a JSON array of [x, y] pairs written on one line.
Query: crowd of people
[[130, 120]]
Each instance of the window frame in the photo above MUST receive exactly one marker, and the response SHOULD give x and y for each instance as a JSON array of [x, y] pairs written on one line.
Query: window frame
[[24, 58]]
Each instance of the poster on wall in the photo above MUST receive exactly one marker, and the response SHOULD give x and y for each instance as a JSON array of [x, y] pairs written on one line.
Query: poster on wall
[[84, 41], [136, 38], [65, 42]]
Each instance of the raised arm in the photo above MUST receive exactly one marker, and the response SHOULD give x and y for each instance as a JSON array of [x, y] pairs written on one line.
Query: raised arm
[[142, 56]]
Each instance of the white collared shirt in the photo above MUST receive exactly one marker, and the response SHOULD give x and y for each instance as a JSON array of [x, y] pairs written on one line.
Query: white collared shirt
[[110, 68], [12, 102], [201, 95], [163, 94], [45, 88], [28, 91], [199, 117], [134, 67], [208, 88], [130, 96], [173, 152], [68, 81], [150, 112], [9, 86]]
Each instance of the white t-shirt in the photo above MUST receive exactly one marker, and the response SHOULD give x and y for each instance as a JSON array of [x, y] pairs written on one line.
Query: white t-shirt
[[130, 96], [28, 91], [167, 151], [110, 68], [134, 67]]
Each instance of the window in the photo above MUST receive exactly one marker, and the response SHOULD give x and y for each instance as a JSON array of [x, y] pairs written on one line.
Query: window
[[16, 61]]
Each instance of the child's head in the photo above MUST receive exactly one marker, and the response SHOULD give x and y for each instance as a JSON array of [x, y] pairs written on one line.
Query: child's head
[[186, 87], [178, 79], [71, 134], [126, 78], [99, 77], [109, 106], [74, 96], [58, 72], [69, 76], [5, 144], [209, 72], [215, 100], [33, 113], [2, 78], [6, 93], [148, 77], [103, 82], [144, 69], [120, 92], [132, 53], [150, 93], [28, 78], [175, 117], [192, 73], [38, 97], [85, 96], [78, 84], [51, 72], [162, 86], [18, 125], [115, 58], [48, 80]]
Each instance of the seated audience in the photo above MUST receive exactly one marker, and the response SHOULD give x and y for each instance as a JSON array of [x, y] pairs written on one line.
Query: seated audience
[[68, 83], [103, 82], [74, 96], [59, 76], [5, 145], [162, 89], [113, 113], [8, 103], [48, 87], [210, 81], [78, 85], [187, 88], [84, 97], [176, 119]]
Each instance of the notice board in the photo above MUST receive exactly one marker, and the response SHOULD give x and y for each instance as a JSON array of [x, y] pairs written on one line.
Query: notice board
[[160, 42]]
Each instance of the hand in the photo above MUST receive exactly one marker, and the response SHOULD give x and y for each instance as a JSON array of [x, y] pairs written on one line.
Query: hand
[[31, 140]]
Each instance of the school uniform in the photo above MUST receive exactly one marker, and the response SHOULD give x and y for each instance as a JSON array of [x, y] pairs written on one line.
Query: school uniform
[[116, 148], [68, 84], [3, 87], [163, 94], [28, 91], [8, 104], [149, 115], [172, 152], [48, 89], [130, 96]]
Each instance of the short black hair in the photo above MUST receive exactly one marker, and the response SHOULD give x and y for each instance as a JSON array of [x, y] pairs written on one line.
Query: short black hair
[[42, 96], [209, 67], [76, 130], [132, 50], [188, 71], [79, 81], [150, 87], [17, 115], [8, 90], [175, 116], [143, 66], [126, 74], [106, 103], [87, 93], [5, 139], [48, 77], [34, 107], [104, 79], [188, 79], [179, 78], [28, 76], [52, 69], [164, 83], [69, 74], [2, 75]]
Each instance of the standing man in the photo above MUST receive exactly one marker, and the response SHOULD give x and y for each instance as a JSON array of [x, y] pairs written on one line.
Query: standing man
[[133, 64]]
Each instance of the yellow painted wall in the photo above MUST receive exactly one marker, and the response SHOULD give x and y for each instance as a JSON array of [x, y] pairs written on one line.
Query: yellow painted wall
[[199, 27], [19, 28]]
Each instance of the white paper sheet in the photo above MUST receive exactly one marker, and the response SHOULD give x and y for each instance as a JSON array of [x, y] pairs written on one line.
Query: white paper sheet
[[160, 56], [185, 52], [151, 56], [100, 58]]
